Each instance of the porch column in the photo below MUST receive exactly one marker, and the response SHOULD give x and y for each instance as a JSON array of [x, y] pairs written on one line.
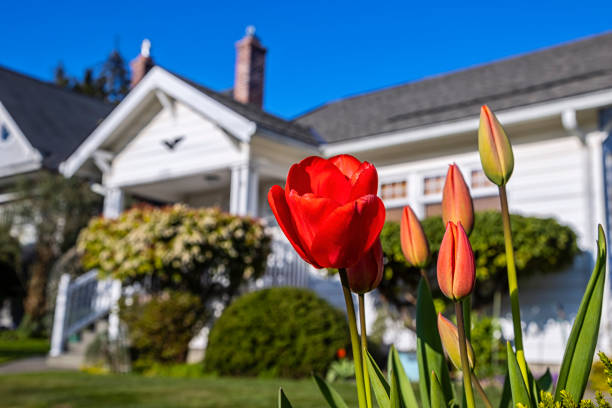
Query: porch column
[[113, 202], [244, 188]]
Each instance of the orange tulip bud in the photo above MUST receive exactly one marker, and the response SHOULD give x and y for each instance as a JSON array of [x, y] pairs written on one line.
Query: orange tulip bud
[[367, 273], [456, 270], [456, 200], [450, 341], [495, 149], [414, 241]]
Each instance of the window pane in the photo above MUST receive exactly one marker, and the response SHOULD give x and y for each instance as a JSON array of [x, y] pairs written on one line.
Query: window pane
[[433, 185], [397, 189], [480, 180]]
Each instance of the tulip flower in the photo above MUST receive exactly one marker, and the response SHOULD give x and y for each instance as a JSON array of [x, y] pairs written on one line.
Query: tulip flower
[[456, 269], [366, 274], [329, 210], [494, 147], [414, 242], [450, 341], [457, 203]]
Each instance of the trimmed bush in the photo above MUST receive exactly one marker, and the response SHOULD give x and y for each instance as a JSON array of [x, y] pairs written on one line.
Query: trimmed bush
[[277, 332], [161, 326], [541, 245]]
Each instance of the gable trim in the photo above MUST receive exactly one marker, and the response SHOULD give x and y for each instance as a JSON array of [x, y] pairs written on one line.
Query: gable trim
[[508, 116], [157, 80]]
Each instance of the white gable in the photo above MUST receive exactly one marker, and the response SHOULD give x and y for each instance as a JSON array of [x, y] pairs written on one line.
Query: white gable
[[175, 143], [16, 154]]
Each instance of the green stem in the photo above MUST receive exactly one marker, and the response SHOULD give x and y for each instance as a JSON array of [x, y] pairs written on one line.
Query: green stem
[[364, 350], [513, 284], [425, 278], [467, 315], [350, 311], [481, 391], [465, 365]]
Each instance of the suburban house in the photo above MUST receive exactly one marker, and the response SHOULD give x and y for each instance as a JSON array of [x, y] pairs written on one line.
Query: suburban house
[[173, 140]]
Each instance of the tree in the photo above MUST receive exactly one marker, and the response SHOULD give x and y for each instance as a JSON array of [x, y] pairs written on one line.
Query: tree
[[56, 209], [110, 83]]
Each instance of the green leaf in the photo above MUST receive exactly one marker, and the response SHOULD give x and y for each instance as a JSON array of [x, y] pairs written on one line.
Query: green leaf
[[379, 383], [334, 400], [394, 396], [520, 395], [544, 383], [506, 397], [405, 388], [283, 402], [578, 356], [436, 396], [429, 347]]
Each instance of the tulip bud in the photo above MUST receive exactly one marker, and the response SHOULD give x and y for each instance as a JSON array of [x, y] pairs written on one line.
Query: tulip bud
[[456, 268], [457, 203], [367, 273], [450, 341], [495, 149], [414, 242]]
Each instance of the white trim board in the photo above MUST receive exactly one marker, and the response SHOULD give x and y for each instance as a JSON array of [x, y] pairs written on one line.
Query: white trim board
[[157, 80], [509, 116]]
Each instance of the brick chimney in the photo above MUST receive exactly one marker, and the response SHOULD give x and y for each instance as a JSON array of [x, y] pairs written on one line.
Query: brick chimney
[[250, 64], [142, 63]]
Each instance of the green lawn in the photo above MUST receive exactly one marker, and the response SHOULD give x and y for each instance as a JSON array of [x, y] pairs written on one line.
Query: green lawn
[[75, 389], [12, 349]]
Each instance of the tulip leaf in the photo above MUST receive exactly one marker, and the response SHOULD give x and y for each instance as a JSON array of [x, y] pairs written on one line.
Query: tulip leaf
[[544, 383], [394, 395], [334, 400], [429, 347], [379, 383], [520, 395], [506, 397], [405, 388], [580, 348], [436, 397], [283, 402]]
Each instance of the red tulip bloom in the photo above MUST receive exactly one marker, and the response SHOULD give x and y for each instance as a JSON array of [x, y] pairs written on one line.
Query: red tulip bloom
[[414, 242], [456, 268], [457, 203], [329, 210], [366, 274]]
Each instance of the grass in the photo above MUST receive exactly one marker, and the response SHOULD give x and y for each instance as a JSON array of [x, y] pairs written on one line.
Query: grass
[[76, 389], [15, 348]]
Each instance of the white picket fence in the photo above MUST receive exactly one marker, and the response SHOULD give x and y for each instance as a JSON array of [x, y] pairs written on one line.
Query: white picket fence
[[86, 299]]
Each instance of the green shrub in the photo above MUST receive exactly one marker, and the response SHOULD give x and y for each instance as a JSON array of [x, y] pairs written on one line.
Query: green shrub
[[541, 245], [161, 327], [278, 332], [489, 348]]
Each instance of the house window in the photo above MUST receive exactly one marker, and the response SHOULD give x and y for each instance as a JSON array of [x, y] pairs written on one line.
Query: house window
[[4, 134], [480, 180], [433, 185], [394, 190]]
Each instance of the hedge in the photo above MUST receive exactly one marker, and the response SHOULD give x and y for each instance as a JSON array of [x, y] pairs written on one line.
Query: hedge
[[277, 332]]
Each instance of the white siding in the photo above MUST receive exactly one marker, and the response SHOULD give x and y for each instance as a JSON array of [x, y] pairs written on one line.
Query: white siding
[[146, 159]]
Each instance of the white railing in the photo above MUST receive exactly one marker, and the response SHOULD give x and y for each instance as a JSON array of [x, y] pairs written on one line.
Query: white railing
[[285, 267], [81, 302]]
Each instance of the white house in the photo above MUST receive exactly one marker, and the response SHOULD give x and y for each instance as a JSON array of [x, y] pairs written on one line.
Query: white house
[[175, 140]]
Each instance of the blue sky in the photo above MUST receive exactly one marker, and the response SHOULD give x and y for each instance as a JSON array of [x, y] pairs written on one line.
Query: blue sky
[[318, 51]]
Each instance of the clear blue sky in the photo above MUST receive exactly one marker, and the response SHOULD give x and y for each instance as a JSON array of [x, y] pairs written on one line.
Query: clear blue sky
[[318, 51]]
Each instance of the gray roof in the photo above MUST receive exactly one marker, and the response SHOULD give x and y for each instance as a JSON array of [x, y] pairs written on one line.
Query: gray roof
[[569, 69], [259, 116], [55, 120]]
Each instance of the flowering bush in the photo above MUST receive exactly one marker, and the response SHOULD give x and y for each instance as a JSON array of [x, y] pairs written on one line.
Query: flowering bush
[[204, 251]]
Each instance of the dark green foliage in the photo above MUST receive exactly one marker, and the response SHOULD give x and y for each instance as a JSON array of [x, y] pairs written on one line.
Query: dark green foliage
[[161, 326], [11, 279], [542, 245], [284, 332]]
